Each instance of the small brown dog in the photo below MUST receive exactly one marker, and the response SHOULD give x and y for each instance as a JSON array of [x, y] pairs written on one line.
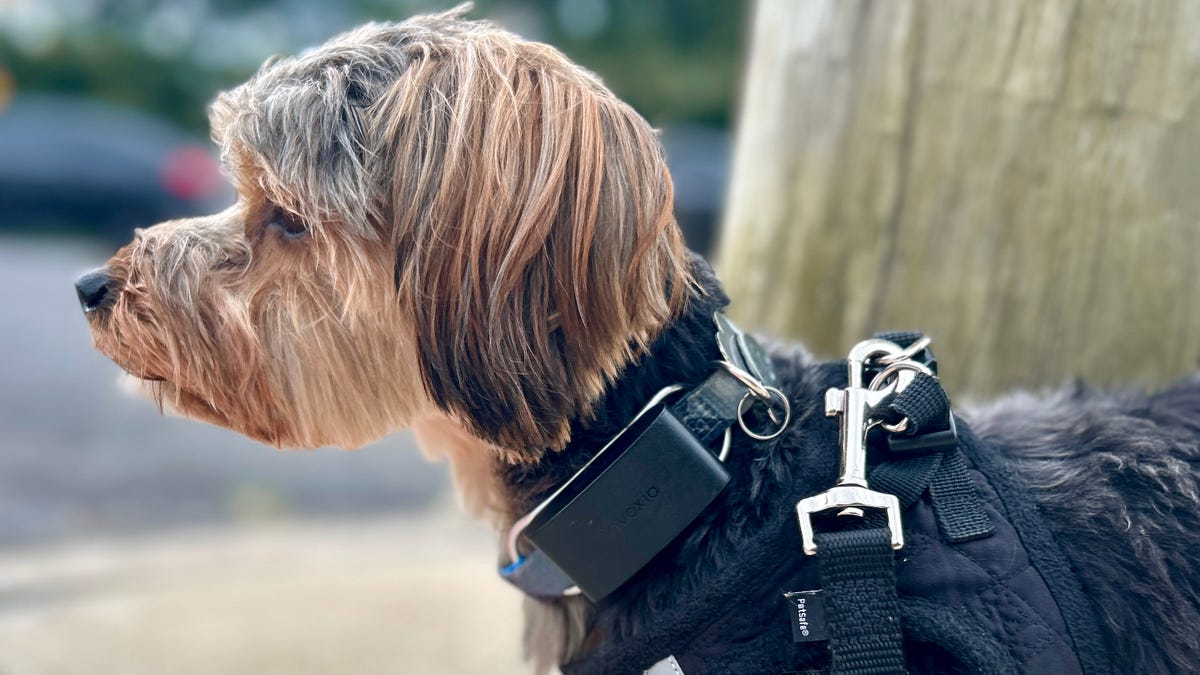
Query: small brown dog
[[439, 226], [410, 199], [442, 227]]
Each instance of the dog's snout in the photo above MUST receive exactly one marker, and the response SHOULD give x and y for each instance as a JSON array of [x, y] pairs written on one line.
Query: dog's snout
[[95, 290]]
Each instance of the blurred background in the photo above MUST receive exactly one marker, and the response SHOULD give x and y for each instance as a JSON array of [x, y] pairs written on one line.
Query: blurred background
[[136, 543], [1017, 178]]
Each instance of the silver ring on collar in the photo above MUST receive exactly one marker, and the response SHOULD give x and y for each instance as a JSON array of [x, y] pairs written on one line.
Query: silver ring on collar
[[772, 394], [759, 389]]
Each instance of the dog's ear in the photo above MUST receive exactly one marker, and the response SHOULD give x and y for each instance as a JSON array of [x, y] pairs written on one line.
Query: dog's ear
[[536, 247]]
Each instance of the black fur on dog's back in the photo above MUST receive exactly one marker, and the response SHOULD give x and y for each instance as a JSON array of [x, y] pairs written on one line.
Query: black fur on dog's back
[[1115, 476]]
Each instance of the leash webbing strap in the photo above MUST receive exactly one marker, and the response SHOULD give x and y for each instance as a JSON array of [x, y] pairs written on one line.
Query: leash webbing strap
[[858, 575]]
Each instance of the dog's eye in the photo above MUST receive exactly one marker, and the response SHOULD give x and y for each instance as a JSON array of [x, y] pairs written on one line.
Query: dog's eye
[[288, 223]]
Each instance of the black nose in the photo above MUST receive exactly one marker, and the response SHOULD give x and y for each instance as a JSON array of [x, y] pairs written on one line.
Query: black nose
[[95, 290]]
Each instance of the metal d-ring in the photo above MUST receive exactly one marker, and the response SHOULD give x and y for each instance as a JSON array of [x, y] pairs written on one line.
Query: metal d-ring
[[880, 381], [772, 393], [759, 389], [726, 444], [906, 353]]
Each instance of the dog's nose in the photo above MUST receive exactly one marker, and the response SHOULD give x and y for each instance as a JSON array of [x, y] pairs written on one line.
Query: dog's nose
[[95, 290]]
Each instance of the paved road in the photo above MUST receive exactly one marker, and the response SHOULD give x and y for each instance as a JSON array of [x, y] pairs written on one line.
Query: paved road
[[79, 457], [381, 596]]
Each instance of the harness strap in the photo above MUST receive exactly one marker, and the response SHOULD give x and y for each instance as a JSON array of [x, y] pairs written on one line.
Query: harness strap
[[908, 480], [923, 403], [956, 502], [859, 577], [931, 429]]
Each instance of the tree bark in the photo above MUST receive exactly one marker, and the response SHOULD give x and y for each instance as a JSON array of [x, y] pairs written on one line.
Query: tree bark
[[1018, 179]]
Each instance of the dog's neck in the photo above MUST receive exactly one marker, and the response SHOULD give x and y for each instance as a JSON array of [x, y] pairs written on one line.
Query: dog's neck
[[674, 589], [683, 353]]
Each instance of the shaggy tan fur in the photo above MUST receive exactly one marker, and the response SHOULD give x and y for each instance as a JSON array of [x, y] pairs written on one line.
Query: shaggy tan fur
[[429, 212], [438, 225]]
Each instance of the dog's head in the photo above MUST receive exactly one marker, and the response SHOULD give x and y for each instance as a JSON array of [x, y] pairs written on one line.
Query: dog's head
[[432, 216]]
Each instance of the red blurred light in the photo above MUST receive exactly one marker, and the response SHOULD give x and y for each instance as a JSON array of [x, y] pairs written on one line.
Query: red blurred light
[[190, 172]]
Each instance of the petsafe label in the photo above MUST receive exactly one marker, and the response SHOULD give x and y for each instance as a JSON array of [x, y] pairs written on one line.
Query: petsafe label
[[807, 610]]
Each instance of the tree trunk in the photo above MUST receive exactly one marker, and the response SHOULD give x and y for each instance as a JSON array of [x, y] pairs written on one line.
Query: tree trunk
[[1018, 179]]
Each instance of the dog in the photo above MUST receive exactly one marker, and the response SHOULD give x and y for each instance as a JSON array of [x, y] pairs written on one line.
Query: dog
[[443, 227]]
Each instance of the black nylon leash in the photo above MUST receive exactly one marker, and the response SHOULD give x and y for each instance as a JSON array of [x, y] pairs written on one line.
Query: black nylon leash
[[859, 578], [916, 431]]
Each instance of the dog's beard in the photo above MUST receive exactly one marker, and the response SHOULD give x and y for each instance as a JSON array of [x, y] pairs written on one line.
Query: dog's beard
[[295, 346], [176, 402]]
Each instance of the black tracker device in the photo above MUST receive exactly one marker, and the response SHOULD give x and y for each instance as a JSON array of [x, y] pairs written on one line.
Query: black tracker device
[[628, 503]]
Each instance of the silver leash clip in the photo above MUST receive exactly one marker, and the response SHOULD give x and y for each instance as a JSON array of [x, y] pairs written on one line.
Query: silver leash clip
[[854, 403]]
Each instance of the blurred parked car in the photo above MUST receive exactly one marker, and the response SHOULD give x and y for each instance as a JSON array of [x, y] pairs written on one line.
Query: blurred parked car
[[77, 164], [73, 163]]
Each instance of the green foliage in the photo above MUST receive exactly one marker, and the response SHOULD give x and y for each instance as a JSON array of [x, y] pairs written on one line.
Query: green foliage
[[117, 72], [676, 61]]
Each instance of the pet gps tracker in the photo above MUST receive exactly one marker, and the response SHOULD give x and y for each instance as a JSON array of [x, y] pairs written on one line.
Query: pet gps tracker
[[627, 504]]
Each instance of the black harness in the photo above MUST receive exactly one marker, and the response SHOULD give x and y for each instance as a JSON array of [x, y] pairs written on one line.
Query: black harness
[[972, 582]]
